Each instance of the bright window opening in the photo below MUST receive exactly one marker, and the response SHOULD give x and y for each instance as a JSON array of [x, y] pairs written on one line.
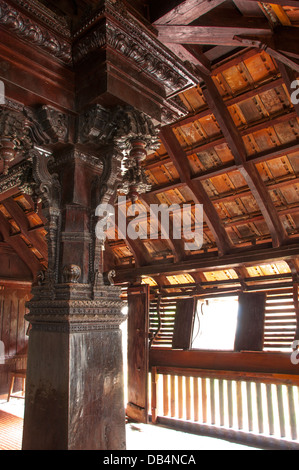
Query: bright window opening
[[215, 324]]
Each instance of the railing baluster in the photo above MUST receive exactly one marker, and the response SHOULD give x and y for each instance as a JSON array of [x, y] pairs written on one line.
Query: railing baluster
[[281, 411], [204, 399], [180, 397], [259, 407], [249, 406], [165, 395], [292, 414], [270, 409], [230, 403], [172, 396], [195, 399], [212, 399], [239, 405], [221, 403], [188, 397]]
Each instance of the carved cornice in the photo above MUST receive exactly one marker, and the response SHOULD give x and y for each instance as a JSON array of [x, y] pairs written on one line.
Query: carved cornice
[[140, 48], [31, 32], [112, 25], [41, 13]]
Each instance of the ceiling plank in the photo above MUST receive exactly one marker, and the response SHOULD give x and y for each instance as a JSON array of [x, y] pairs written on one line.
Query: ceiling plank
[[180, 161], [247, 169], [136, 247], [20, 217], [188, 11], [19, 246], [176, 246], [289, 77]]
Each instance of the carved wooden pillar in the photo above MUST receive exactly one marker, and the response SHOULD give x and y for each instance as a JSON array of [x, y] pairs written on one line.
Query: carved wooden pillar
[[74, 390]]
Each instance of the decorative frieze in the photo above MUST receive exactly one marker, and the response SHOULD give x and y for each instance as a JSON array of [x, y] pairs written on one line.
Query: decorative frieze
[[138, 46], [31, 32], [44, 15]]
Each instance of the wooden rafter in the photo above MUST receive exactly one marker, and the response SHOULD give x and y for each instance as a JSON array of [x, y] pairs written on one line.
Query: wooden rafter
[[20, 217], [211, 35], [180, 161], [188, 11], [247, 169], [19, 246], [176, 246], [136, 247]]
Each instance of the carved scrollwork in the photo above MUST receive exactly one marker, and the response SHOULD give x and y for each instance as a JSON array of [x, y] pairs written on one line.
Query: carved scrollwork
[[27, 30], [14, 135]]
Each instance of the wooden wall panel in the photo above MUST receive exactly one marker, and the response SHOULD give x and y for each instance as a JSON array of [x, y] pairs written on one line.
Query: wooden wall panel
[[13, 327], [183, 324], [251, 318]]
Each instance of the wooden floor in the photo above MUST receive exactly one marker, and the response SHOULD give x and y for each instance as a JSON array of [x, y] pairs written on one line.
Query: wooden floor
[[139, 436]]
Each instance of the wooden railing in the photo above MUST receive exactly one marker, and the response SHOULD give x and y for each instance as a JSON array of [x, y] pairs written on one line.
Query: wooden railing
[[265, 405]]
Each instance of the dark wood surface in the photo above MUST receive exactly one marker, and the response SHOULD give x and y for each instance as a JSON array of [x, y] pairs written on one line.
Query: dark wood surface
[[138, 344]]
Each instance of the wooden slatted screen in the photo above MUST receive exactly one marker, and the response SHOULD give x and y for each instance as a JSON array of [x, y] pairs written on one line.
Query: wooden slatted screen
[[162, 328], [280, 320]]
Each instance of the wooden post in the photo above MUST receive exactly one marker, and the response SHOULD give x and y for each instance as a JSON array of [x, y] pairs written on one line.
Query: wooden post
[[154, 376], [138, 349]]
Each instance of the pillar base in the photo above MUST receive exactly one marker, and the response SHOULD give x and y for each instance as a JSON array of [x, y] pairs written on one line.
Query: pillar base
[[74, 386]]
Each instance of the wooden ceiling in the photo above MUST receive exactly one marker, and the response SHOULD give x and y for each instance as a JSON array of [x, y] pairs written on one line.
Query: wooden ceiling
[[236, 149]]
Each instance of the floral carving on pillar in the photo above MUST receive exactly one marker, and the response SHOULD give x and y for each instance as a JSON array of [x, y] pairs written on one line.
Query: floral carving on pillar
[[14, 136]]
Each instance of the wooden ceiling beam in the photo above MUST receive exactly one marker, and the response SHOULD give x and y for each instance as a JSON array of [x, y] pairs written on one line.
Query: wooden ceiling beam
[[211, 35], [180, 161], [247, 169], [212, 262], [188, 11]]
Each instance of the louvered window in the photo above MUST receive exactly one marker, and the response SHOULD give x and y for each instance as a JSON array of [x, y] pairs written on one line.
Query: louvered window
[[161, 322], [280, 321]]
